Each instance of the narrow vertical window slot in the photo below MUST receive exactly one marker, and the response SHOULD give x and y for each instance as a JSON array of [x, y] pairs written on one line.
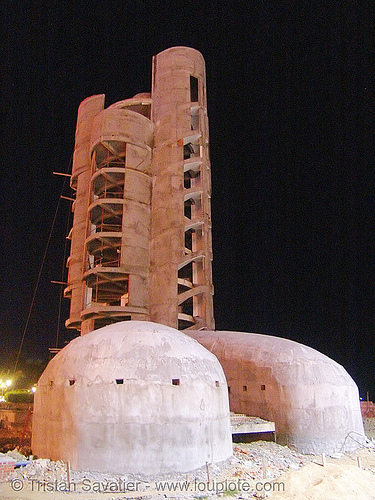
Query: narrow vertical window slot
[[193, 89]]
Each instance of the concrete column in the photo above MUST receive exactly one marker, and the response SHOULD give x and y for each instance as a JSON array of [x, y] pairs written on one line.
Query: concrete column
[[80, 181], [121, 141], [179, 113]]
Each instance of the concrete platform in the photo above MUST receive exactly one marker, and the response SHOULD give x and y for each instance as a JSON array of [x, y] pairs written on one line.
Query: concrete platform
[[245, 424]]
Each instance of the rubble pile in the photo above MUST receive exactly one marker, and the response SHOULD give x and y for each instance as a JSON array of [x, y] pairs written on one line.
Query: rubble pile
[[266, 460], [257, 465], [251, 462], [258, 460]]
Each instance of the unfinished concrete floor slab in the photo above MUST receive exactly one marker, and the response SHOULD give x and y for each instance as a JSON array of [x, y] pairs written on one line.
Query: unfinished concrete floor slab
[[134, 397]]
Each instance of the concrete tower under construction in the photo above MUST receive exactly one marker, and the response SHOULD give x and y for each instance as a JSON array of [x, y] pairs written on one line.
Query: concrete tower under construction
[[138, 396], [141, 246]]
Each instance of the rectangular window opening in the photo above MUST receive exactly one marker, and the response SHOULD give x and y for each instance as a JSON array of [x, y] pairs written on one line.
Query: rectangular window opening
[[193, 89], [119, 381], [175, 381], [245, 388], [262, 387]]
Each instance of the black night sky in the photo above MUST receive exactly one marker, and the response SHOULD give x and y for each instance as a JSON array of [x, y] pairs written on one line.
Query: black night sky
[[291, 109]]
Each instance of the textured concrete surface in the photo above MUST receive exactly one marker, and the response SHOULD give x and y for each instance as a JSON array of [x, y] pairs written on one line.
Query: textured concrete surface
[[141, 237], [81, 174], [311, 398], [109, 261], [141, 250], [181, 247], [133, 397]]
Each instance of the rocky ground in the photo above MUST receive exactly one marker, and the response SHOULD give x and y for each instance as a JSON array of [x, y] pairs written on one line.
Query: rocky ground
[[257, 470], [262, 469]]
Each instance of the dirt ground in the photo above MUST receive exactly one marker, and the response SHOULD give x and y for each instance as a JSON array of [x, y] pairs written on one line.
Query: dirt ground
[[257, 470], [262, 469], [341, 479]]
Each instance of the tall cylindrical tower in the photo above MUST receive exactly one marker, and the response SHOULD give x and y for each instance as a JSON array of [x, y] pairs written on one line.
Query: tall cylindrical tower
[[181, 286], [141, 237], [114, 226]]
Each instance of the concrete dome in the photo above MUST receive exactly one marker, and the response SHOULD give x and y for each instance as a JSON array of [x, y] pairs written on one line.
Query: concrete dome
[[134, 397], [312, 399]]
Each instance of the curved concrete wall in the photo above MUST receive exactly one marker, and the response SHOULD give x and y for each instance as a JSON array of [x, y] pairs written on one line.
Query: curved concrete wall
[[116, 124], [167, 412], [81, 173], [311, 398], [152, 152], [87, 111], [172, 108], [116, 144], [120, 128]]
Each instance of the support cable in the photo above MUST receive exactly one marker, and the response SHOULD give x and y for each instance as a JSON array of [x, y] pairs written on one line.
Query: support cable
[[62, 280], [38, 279]]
